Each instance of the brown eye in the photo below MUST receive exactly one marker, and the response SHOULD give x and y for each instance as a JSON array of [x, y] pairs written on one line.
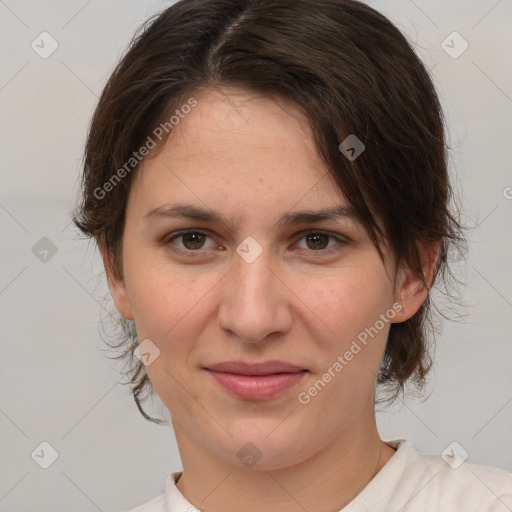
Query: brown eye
[[190, 241], [193, 241], [317, 241], [321, 243]]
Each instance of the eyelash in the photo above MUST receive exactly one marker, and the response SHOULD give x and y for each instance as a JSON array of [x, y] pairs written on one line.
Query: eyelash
[[188, 252]]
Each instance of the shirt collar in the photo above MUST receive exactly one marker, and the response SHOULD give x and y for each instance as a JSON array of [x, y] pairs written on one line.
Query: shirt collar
[[176, 502]]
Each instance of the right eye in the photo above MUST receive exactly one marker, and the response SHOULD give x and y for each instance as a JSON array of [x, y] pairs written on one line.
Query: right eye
[[191, 241]]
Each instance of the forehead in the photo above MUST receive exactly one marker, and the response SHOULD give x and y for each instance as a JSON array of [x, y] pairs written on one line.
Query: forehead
[[233, 116], [243, 143]]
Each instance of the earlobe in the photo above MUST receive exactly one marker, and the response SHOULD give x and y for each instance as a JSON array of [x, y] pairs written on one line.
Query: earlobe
[[116, 286], [411, 295], [412, 291]]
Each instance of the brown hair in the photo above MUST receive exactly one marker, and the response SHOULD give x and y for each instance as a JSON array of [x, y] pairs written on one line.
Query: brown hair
[[349, 69]]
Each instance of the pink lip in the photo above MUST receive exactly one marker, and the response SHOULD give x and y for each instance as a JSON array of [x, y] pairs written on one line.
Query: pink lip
[[257, 381]]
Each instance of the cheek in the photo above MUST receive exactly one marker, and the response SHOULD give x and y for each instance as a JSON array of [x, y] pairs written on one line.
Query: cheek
[[350, 337], [159, 293], [171, 305], [346, 300], [165, 302], [171, 309]]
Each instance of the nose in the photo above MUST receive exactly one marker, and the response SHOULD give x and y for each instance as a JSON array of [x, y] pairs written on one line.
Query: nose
[[255, 301]]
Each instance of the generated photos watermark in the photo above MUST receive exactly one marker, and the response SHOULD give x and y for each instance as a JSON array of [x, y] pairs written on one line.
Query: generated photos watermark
[[137, 156], [305, 397]]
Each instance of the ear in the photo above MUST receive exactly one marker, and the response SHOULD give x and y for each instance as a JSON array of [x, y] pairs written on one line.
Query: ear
[[116, 285], [411, 291]]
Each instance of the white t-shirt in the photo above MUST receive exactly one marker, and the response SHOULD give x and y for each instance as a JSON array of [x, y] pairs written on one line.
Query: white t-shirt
[[409, 482]]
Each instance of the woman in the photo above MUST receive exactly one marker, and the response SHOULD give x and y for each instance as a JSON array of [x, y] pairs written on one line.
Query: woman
[[266, 181]]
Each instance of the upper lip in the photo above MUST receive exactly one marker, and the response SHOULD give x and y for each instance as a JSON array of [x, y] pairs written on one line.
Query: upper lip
[[264, 368]]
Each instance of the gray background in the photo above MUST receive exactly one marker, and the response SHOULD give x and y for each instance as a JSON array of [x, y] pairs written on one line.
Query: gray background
[[56, 381]]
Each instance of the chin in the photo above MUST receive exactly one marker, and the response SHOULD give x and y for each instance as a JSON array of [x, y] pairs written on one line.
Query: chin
[[261, 452]]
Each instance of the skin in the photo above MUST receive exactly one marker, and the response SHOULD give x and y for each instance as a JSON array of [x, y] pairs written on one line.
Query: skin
[[252, 158]]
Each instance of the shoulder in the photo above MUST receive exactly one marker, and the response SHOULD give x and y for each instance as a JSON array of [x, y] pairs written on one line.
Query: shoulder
[[170, 499], [449, 480], [158, 504], [155, 505]]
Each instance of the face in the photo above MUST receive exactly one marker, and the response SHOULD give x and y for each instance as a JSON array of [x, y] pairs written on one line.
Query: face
[[311, 300]]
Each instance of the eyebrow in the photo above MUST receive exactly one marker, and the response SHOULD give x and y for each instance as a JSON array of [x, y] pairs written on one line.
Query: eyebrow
[[192, 212]]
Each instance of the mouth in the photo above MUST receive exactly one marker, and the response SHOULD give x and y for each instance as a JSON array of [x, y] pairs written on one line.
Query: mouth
[[256, 381]]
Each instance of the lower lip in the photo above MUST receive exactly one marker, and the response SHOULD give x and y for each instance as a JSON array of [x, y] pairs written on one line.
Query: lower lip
[[257, 387]]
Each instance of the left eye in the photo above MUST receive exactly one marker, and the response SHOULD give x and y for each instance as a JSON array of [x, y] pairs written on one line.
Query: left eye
[[318, 241]]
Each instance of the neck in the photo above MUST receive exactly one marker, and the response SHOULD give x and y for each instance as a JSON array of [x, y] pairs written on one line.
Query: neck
[[327, 481]]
